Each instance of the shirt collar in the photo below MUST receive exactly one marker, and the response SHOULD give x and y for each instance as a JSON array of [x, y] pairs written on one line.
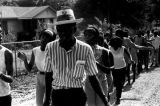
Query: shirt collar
[[72, 48]]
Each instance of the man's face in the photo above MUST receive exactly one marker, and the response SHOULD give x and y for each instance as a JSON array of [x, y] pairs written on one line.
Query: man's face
[[65, 31]]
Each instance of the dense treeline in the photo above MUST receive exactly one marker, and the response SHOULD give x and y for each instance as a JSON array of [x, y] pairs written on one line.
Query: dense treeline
[[131, 13]]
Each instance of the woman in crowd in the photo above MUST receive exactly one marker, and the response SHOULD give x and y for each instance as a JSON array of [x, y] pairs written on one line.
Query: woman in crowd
[[102, 42], [6, 74], [105, 64], [37, 57], [119, 71], [156, 43]]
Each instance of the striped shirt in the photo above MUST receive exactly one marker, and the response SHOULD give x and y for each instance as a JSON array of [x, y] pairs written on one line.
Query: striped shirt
[[70, 67]]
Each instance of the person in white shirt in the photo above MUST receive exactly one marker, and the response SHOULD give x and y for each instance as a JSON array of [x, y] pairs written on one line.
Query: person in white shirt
[[38, 58], [119, 71], [6, 73], [156, 43]]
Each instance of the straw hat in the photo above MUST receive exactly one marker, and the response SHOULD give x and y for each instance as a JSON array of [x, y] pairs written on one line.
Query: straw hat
[[66, 16]]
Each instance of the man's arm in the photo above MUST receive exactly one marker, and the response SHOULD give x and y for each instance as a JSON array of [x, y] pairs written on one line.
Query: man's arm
[[98, 89], [48, 77], [103, 68], [91, 71], [48, 87], [133, 45], [9, 67]]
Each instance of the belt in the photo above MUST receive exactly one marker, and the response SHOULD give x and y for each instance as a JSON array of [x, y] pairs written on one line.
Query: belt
[[41, 72], [60, 87]]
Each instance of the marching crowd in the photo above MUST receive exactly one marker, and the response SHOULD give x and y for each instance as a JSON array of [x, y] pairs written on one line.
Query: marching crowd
[[82, 73]]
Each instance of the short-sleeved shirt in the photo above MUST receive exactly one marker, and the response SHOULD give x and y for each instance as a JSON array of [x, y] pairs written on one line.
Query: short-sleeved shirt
[[70, 67]]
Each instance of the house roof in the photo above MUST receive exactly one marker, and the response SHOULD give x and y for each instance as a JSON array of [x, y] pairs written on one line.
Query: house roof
[[11, 12]]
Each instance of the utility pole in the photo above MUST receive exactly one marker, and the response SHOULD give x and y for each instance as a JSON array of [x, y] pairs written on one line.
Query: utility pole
[[1, 15]]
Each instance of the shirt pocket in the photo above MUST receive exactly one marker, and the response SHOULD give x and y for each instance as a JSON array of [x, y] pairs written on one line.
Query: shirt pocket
[[78, 71]]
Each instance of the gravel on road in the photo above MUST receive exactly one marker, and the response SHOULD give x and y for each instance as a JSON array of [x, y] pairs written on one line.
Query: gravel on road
[[145, 91]]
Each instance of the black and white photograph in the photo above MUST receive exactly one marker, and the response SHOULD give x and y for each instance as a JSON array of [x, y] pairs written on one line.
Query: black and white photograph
[[79, 52]]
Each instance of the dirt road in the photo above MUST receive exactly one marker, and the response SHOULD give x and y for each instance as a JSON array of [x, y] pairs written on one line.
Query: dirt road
[[144, 92]]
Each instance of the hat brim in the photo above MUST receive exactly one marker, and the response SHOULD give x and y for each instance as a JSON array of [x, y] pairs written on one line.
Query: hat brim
[[69, 21]]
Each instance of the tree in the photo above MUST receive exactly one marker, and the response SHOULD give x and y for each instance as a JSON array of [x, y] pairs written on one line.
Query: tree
[[156, 9], [8, 3], [26, 3], [57, 4], [130, 14]]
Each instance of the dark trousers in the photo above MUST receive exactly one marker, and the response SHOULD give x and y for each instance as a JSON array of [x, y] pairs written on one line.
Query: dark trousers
[[69, 97], [128, 72], [6, 100], [140, 61], [134, 66], [145, 57], [119, 79]]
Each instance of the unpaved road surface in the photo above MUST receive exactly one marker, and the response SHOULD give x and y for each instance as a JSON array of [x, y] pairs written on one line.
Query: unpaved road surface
[[23, 90], [144, 92]]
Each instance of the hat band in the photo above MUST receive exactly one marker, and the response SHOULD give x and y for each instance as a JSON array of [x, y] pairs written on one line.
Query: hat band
[[65, 17]]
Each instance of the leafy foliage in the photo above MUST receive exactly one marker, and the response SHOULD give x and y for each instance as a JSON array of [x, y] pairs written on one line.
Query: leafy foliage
[[7, 3], [55, 4], [26, 3], [155, 9], [130, 14]]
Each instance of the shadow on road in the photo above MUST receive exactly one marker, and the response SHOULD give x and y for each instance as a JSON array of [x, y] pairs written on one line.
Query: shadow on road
[[132, 99]]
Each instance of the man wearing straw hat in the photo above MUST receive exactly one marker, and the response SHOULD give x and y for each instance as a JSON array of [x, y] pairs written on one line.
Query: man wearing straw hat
[[70, 60], [6, 73]]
